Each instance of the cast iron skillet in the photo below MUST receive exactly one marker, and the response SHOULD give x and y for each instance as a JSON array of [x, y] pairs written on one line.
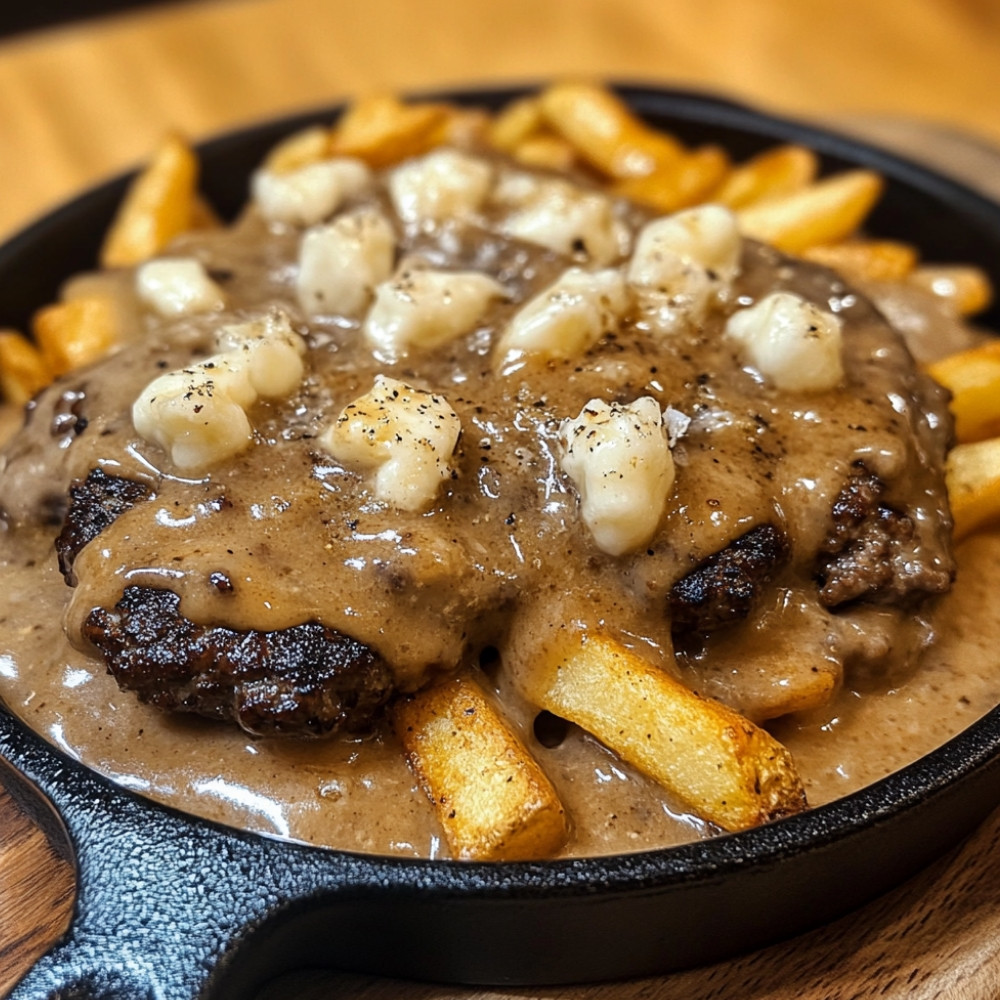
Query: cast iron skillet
[[174, 907]]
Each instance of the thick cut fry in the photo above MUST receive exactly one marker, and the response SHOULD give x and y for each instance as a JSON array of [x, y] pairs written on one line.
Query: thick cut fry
[[687, 181], [719, 764], [972, 473], [159, 205], [825, 212], [381, 130], [492, 800], [550, 152], [300, 149], [967, 288], [605, 132], [867, 260], [518, 121], [777, 171], [973, 377], [71, 334], [23, 370]]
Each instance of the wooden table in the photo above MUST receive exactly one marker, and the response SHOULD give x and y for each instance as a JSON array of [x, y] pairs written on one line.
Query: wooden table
[[78, 103]]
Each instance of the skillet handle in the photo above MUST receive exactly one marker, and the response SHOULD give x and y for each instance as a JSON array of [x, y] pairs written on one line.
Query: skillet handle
[[166, 908]]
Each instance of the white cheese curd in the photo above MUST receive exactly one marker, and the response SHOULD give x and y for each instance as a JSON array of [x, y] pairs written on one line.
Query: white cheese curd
[[442, 185], [563, 217], [177, 286], [564, 320], [406, 435], [426, 308], [793, 343], [619, 459], [198, 415], [683, 263], [309, 194], [341, 263]]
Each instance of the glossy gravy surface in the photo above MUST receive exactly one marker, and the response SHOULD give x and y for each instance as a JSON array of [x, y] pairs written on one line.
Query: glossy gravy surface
[[303, 538]]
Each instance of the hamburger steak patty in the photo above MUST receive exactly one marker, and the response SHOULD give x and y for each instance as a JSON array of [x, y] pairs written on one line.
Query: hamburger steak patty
[[306, 680], [725, 586], [94, 503], [280, 586], [871, 552]]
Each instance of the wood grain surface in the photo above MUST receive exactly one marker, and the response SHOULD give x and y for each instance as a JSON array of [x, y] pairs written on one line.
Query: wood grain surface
[[920, 75]]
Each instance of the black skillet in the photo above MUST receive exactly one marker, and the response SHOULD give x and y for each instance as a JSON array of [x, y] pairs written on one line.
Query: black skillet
[[173, 907]]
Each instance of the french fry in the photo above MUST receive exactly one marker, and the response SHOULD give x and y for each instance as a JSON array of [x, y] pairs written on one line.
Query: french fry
[[827, 211], [518, 121], [777, 171], [159, 205], [300, 149], [492, 799], [868, 260], [719, 764], [381, 130], [972, 473], [973, 377], [71, 334], [966, 288], [687, 181], [605, 131], [550, 152], [23, 371]]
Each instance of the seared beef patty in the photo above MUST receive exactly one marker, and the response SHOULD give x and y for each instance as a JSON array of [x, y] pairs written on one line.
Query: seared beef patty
[[306, 680], [278, 589]]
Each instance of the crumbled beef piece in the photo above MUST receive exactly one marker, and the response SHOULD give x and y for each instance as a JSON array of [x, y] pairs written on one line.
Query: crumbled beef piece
[[726, 585], [305, 680], [873, 550], [94, 503]]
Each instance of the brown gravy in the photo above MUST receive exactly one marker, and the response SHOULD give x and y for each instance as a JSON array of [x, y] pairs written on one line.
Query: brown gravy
[[306, 541]]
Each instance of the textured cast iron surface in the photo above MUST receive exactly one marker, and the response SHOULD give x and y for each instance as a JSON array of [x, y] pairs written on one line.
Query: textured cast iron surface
[[176, 908]]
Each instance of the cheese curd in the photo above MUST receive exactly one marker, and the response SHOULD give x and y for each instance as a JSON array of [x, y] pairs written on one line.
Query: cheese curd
[[177, 286], [311, 193], [793, 343], [423, 308], [562, 217], [564, 320], [683, 263], [445, 184], [407, 436], [619, 459], [341, 263], [198, 415]]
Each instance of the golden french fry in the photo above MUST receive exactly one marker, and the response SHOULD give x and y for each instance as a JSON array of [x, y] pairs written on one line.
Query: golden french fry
[[300, 149], [492, 799], [867, 260], [973, 376], [967, 288], [23, 371], [774, 172], [518, 121], [972, 473], [460, 127], [718, 763], [158, 206], [72, 334], [687, 181], [827, 211], [550, 152], [381, 130], [605, 132]]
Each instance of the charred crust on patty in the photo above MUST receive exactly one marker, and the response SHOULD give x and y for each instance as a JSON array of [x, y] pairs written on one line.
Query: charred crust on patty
[[872, 549], [95, 503], [724, 588], [304, 680]]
